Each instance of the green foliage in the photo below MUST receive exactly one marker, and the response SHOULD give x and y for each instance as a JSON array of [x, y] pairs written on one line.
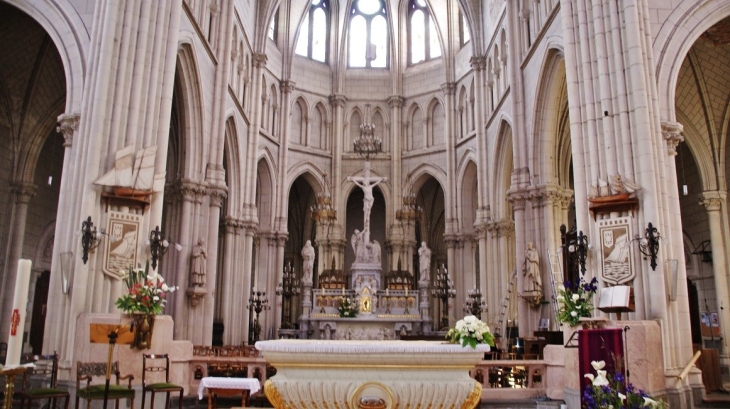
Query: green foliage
[[145, 294], [347, 308], [470, 331], [576, 301]]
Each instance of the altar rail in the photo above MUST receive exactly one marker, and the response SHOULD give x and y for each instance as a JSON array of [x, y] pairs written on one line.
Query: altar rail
[[228, 361], [511, 378]]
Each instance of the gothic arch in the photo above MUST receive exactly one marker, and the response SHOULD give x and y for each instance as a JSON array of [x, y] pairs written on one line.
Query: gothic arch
[[502, 175], [192, 114], [70, 37], [467, 202], [550, 107], [234, 168], [265, 193], [687, 21]]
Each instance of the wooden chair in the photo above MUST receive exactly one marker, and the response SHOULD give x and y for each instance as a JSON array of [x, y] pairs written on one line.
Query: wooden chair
[[152, 367], [88, 373], [46, 366]]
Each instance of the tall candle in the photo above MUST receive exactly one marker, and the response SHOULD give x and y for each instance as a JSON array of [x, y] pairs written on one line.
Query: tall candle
[[406, 291], [343, 290], [18, 314]]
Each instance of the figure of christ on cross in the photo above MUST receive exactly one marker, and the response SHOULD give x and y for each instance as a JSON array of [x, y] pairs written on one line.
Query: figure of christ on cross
[[367, 183]]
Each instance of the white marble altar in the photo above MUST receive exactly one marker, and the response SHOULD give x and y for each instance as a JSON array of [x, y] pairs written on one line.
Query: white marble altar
[[383, 374]]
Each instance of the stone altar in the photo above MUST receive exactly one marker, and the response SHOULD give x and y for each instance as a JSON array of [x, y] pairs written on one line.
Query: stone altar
[[364, 374]]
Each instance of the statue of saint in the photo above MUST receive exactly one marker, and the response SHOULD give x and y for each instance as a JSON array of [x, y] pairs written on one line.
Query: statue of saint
[[424, 263], [367, 183], [308, 257], [198, 263], [358, 246], [533, 281]]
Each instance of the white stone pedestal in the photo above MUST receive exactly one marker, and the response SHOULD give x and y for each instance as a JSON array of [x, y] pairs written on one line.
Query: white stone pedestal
[[390, 374]]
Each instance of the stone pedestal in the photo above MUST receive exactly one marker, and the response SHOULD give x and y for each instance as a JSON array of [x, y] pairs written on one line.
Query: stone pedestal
[[387, 374], [130, 359]]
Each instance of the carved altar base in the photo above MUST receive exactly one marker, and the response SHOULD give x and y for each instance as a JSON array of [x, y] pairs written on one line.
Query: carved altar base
[[370, 374]]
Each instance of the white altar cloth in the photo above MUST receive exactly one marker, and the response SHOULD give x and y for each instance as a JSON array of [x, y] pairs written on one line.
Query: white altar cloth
[[252, 384], [389, 374]]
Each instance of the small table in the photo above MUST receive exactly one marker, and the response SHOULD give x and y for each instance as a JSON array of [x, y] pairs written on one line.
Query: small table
[[228, 387]]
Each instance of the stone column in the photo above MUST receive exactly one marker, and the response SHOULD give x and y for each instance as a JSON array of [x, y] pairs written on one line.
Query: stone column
[[230, 290], [58, 303], [716, 204], [22, 193]]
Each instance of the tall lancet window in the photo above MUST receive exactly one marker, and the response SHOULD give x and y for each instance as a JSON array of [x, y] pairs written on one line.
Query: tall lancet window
[[368, 35], [464, 34], [272, 32], [423, 39], [313, 38]]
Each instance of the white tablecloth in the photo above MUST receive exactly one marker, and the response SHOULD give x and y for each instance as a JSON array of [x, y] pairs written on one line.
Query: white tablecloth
[[252, 384]]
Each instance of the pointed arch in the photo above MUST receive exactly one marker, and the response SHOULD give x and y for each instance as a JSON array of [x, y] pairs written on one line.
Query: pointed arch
[[502, 175], [436, 120], [467, 201], [299, 120], [234, 167], [552, 132], [192, 115]]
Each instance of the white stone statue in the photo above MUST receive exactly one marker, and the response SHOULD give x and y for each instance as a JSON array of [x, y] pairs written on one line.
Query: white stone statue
[[308, 264], [358, 246], [533, 281], [367, 183], [424, 263], [198, 259]]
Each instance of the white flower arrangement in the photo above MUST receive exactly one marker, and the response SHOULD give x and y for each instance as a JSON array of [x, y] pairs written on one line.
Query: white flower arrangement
[[470, 331]]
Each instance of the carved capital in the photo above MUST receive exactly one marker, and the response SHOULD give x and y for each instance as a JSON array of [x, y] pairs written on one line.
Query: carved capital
[[396, 101], [69, 124], [259, 60], [517, 199], [449, 88], [338, 100], [217, 195], [23, 192], [287, 86], [672, 132], [478, 63], [712, 200]]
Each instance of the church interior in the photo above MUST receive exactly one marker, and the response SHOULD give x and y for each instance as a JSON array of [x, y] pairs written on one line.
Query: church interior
[[369, 170]]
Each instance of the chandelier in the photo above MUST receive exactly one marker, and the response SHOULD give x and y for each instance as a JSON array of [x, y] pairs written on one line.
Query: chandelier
[[410, 210], [367, 144], [323, 210]]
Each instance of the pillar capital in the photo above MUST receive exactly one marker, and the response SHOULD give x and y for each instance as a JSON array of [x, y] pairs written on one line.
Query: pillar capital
[[672, 133], [23, 191], [338, 100], [396, 101], [478, 63], [449, 88], [287, 86], [259, 60], [713, 200], [69, 124]]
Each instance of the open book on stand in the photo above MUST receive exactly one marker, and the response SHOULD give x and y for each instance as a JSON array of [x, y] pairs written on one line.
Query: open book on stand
[[619, 298]]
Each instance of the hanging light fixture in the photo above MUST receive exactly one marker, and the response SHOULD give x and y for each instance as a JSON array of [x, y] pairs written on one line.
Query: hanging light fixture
[[649, 244], [367, 144], [90, 238]]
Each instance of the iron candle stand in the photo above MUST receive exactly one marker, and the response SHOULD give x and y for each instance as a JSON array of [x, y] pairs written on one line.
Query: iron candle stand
[[443, 289], [475, 305], [258, 303], [287, 288]]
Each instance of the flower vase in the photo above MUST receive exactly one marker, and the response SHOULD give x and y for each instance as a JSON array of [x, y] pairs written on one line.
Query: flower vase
[[143, 325]]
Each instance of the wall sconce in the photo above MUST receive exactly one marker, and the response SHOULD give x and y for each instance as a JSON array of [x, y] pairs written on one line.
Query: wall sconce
[[159, 245], [704, 250], [67, 270], [581, 247], [672, 265], [649, 244], [90, 238]]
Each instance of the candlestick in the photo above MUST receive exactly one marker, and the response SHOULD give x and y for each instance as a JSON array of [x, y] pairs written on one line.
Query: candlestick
[[343, 290], [387, 291], [406, 291], [18, 314]]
